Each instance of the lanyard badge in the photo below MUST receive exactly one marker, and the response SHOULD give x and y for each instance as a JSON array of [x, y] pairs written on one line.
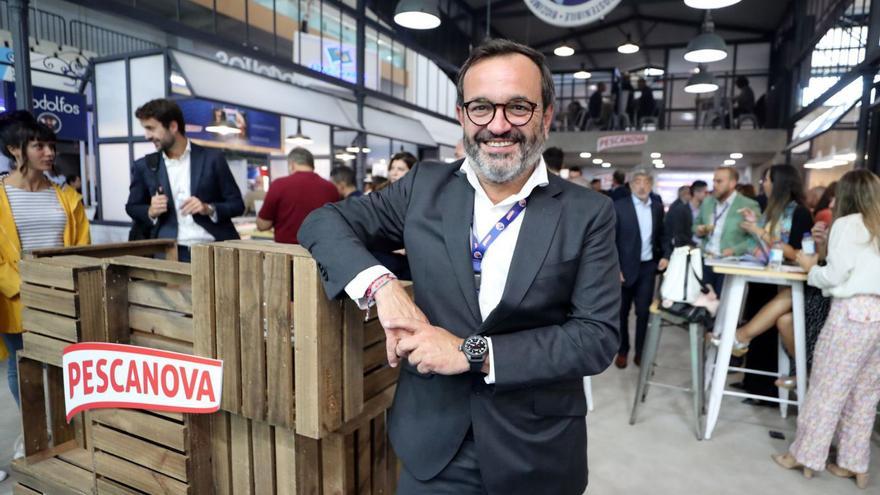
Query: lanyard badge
[[478, 248]]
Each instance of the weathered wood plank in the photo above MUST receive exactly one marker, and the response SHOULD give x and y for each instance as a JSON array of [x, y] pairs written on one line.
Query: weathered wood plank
[[267, 247], [43, 272], [277, 285], [50, 324], [136, 476], [62, 431], [44, 349], [373, 332], [253, 347], [264, 457], [285, 461], [163, 323], [141, 248], [110, 487], [52, 300], [154, 341], [140, 452], [91, 288], [204, 331], [242, 456], [33, 406], [308, 465], [364, 460], [142, 263], [162, 296], [147, 426], [20, 489], [352, 360], [116, 314], [380, 458], [333, 464], [228, 325], [373, 357], [379, 380], [199, 469], [221, 453]]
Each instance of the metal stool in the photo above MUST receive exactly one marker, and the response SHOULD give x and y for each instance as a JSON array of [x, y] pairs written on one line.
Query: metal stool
[[652, 343]]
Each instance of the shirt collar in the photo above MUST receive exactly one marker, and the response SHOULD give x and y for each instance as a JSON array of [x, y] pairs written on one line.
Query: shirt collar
[[184, 155], [729, 199], [539, 178], [637, 201]]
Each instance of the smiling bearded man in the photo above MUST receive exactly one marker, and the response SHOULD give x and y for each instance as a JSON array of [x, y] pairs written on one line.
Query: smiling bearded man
[[516, 293]]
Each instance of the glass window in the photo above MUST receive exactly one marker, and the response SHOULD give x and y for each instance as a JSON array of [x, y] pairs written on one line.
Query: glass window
[[348, 54], [422, 81], [231, 20], [386, 64], [371, 76], [147, 82], [111, 103], [194, 14], [286, 27]]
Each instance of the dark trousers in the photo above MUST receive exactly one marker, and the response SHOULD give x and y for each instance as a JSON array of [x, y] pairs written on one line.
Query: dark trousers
[[641, 291], [460, 477], [716, 280], [183, 254]]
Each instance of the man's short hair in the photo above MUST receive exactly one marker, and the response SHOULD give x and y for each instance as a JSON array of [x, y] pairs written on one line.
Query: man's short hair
[[344, 175], [683, 189], [165, 111], [733, 173], [574, 169], [641, 172], [500, 47], [698, 185], [619, 177], [301, 156], [554, 157], [595, 181]]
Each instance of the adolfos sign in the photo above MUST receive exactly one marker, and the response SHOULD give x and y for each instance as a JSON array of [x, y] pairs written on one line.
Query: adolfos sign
[[101, 375]]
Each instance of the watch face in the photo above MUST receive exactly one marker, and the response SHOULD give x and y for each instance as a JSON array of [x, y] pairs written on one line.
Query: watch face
[[476, 346]]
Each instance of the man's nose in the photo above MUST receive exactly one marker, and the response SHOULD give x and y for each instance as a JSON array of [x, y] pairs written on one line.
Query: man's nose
[[499, 124]]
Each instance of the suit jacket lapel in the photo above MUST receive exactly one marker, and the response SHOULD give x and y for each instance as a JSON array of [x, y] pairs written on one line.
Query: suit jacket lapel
[[165, 182], [197, 166], [457, 203], [539, 225]]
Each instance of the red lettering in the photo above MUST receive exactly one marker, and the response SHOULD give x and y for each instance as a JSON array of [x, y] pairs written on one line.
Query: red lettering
[[206, 388], [170, 391], [150, 378], [87, 376], [73, 377], [133, 379], [113, 383], [189, 385], [102, 375]]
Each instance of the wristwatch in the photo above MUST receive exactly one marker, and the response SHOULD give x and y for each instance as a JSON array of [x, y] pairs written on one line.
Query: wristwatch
[[475, 349], [211, 210]]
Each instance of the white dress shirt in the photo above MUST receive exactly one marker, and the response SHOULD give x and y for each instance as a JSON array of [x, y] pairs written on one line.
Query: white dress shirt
[[714, 244], [646, 226], [496, 260], [179, 173]]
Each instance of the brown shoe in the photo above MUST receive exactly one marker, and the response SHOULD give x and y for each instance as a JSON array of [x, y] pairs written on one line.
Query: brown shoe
[[620, 361]]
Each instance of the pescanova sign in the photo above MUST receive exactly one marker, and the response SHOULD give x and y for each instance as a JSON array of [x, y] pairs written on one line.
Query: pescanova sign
[[102, 375], [570, 13]]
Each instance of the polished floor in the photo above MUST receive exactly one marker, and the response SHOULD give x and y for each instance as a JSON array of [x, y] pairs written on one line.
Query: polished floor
[[657, 456]]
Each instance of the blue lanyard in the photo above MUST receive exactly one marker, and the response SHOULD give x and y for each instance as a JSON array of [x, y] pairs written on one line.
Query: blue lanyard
[[478, 249]]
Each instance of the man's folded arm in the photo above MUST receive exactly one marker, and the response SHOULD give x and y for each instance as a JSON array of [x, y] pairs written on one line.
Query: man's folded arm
[[586, 343]]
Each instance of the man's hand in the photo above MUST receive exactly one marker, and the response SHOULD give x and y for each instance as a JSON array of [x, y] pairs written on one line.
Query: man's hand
[[704, 230], [393, 303], [194, 205], [663, 264], [727, 252], [748, 215], [158, 204], [430, 349]]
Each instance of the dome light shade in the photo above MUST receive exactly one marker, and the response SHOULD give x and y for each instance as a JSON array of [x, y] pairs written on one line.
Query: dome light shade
[[417, 14], [582, 74], [710, 4], [736, 156], [628, 48], [701, 82], [598, 161], [656, 155], [563, 51], [299, 138], [585, 154], [705, 48]]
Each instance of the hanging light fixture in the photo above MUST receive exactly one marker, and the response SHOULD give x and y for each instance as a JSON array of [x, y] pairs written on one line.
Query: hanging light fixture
[[629, 47], [582, 74], [710, 4], [417, 14], [563, 50], [222, 127], [701, 82], [707, 46], [299, 138]]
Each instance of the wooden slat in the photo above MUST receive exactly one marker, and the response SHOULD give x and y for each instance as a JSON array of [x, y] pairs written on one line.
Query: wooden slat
[[43, 272], [221, 453], [33, 406], [136, 476], [44, 349], [378, 381], [164, 323], [373, 332], [204, 332], [308, 465], [373, 357], [242, 456], [153, 341], [159, 276], [352, 360], [277, 285], [54, 476], [393, 467], [162, 296], [116, 314], [372, 407], [144, 247], [318, 345], [364, 460], [333, 465], [264, 457], [351, 462], [174, 416], [91, 288], [285, 461], [110, 487], [147, 426], [199, 470], [62, 431], [56, 326], [380, 458], [165, 266], [52, 300], [267, 247], [228, 329], [253, 347], [20, 489], [140, 452]]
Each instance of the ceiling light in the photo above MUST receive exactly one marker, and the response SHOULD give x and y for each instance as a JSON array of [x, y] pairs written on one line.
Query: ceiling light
[[563, 50], [223, 128], [701, 82], [736, 156], [688, 116], [345, 156], [629, 47], [597, 161], [707, 46], [365, 150], [655, 155], [606, 165], [353, 149], [710, 4], [730, 162], [582, 74], [177, 79], [586, 154], [653, 72], [417, 14], [657, 161], [299, 138], [660, 165]]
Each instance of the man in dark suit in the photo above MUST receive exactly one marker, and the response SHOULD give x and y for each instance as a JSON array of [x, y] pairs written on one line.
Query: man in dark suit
[[678, 226], [639, 246], [619, 187], [515, 281], [183, 191]]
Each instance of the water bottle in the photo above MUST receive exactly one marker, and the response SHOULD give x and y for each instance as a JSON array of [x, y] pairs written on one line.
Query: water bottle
[[776, 255], [808, 245]]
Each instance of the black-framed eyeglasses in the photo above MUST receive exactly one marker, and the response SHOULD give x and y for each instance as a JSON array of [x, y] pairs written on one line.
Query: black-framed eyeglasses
[[518, 112]]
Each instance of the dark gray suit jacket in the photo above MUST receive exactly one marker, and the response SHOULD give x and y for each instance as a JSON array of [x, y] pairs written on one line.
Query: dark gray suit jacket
[[556, 322]]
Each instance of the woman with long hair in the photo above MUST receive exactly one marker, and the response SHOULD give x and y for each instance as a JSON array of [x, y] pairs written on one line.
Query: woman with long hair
[[845, 381], [822, 212], [400, 164]]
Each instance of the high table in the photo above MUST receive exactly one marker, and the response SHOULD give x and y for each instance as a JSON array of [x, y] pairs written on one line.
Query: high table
[[737, 275]]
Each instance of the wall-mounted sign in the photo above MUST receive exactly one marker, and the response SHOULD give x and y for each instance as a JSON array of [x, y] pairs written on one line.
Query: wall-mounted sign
[[620, 140], [240, 128], [570, 13], [64, 113], [101, 375]]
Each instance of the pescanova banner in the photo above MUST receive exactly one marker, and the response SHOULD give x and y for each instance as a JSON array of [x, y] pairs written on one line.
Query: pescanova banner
[[570, 13], [64, 113], [100, 375]]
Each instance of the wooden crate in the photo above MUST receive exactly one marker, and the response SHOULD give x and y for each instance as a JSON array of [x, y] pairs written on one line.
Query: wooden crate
[[63, 470], [147, 247], [260, 307]]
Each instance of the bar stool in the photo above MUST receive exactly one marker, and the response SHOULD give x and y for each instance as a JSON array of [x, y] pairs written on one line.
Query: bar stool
[[652, 343]]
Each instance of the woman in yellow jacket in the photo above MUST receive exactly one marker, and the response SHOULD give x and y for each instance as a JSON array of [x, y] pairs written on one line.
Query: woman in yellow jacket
[[34, 214]]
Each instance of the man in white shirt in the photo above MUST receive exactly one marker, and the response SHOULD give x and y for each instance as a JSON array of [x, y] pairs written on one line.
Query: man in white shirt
[[516, 287]]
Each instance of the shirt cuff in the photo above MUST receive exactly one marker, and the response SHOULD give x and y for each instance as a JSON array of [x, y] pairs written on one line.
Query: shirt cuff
[[357, 288], [154, 220], [490, 378], [214, 216]]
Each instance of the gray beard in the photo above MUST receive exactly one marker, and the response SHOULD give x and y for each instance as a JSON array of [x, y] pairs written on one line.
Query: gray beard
[[490, 166]]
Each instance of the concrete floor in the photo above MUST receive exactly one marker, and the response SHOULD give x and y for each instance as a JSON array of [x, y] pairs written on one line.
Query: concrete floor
[[659, 455]]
